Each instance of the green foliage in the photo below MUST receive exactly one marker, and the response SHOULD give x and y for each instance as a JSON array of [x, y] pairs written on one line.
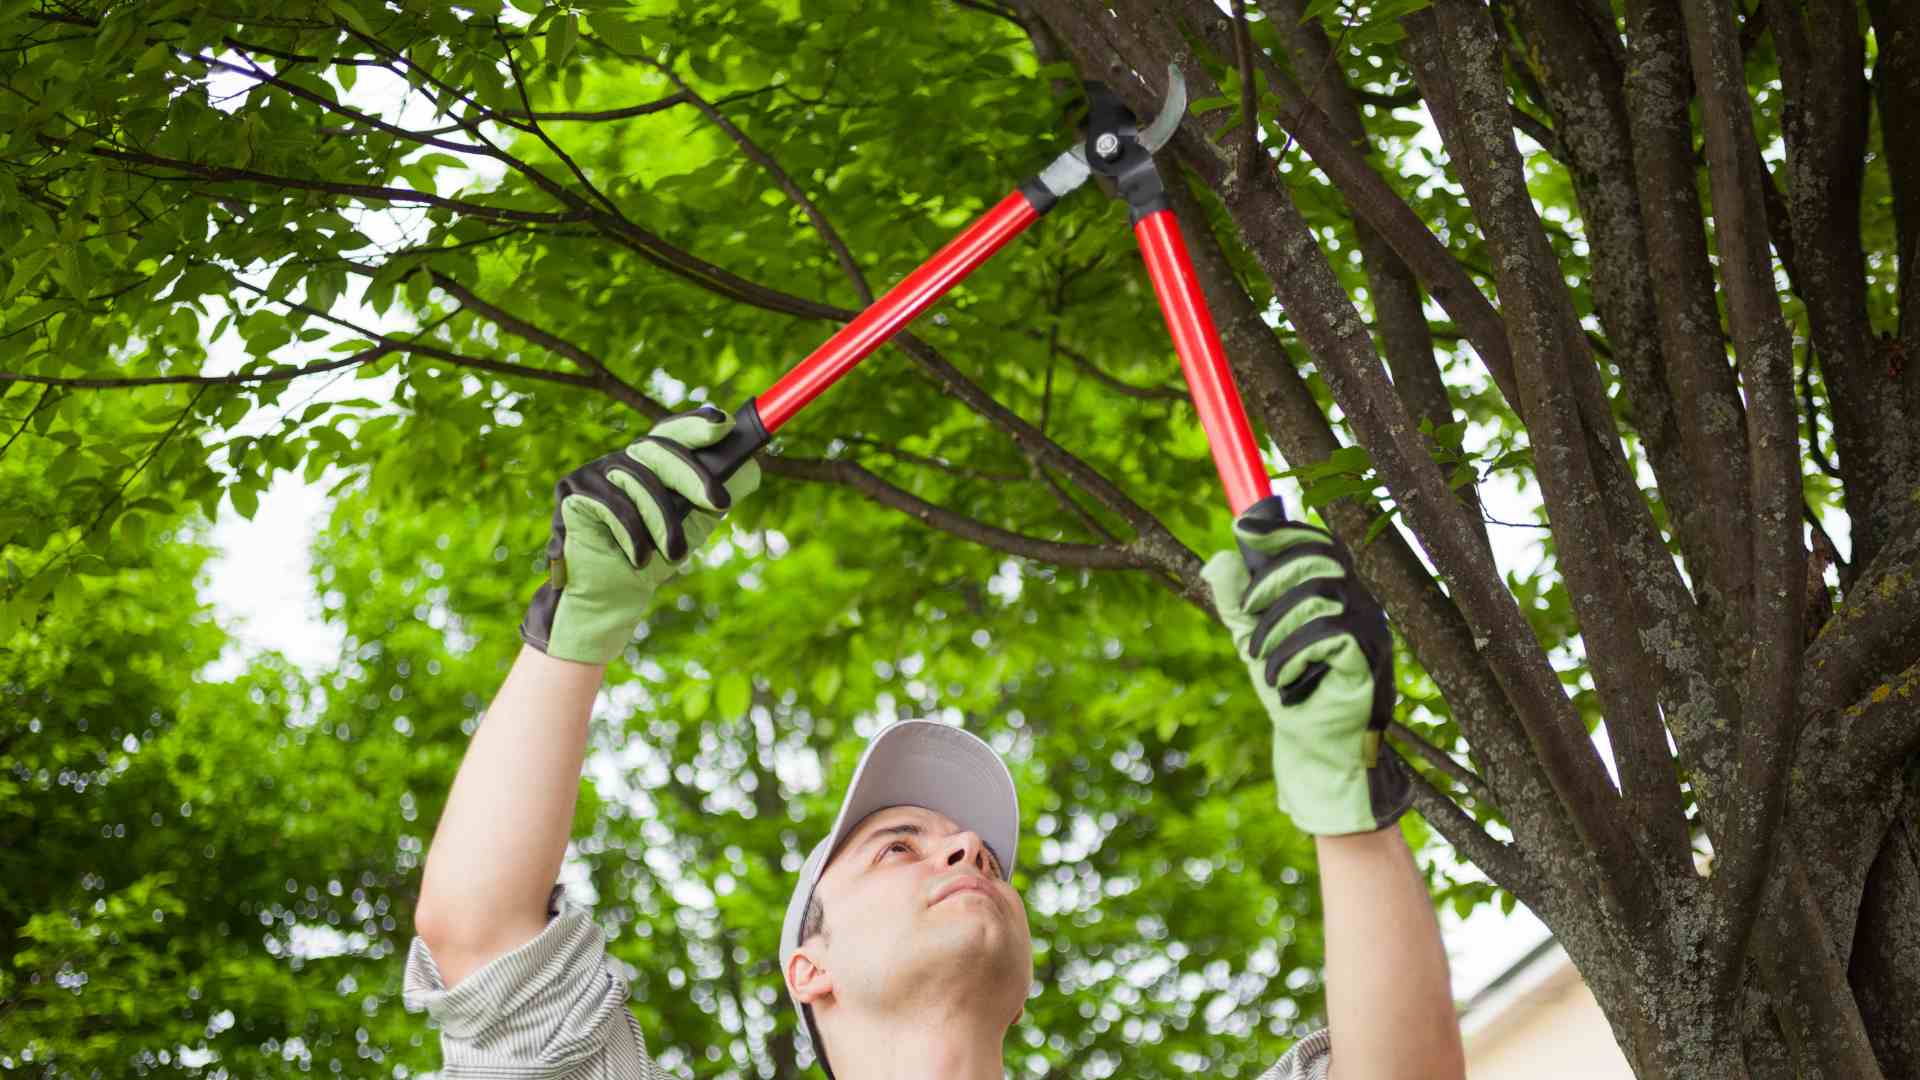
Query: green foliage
[[253, 887]]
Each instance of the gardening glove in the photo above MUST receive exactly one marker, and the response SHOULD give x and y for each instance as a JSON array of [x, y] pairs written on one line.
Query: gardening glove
[[618, 533], [1321, 656]]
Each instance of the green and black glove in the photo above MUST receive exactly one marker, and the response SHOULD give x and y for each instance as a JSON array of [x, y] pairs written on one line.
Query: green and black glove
[[1321, 655], [618, 533]]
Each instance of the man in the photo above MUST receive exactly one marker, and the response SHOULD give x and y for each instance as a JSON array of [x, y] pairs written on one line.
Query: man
[[905, 946]]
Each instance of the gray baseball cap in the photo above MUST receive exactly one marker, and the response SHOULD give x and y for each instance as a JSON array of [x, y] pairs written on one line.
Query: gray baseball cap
[[912, 763]]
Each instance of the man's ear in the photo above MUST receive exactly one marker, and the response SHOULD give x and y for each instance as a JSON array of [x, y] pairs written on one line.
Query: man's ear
[[810, 981]]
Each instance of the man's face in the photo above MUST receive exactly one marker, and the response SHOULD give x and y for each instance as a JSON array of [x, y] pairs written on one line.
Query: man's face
[[917, 906]]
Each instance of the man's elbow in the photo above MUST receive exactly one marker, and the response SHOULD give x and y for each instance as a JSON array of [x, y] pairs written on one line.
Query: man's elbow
[[1438, 1057]]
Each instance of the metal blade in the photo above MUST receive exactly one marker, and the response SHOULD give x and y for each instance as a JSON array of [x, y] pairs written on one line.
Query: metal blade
[[1172, 110]]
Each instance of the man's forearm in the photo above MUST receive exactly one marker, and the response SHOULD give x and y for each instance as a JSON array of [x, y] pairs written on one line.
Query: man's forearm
[[1389, 996], [504, 831]]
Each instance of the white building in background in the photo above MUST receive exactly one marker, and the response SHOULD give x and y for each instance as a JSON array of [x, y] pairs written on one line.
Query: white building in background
[[1538, 1019]]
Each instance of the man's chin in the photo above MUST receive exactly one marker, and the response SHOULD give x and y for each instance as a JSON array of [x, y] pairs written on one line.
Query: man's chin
[[974, 939]]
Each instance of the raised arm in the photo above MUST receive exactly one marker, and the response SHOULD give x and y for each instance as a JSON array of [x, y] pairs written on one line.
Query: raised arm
[[617, 534], [1321, 657], [1389, 996], [497, 850]]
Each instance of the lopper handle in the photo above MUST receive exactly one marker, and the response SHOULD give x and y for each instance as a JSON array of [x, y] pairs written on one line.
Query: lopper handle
[[1270, 508], [725, 457], [1204, 363]]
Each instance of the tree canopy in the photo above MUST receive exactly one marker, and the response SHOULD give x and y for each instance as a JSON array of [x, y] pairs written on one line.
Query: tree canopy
[[1460, 258]]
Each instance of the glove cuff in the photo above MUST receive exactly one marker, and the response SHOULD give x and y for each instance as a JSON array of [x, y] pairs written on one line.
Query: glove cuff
[[593, 637], [1389, 788]]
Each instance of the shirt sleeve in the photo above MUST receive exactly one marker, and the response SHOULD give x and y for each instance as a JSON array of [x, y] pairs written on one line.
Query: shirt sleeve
[[1308, 1059], [553, 1009]]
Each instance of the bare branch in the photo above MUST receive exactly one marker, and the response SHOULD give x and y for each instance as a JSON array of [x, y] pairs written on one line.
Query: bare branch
[[935, 463], [282, 373], [1120, 386], [853, 475], [848, 265], [1819, 457], [1779, 576], [1250, 157], [224, 174], [1506, 864], [45, 396], [1444, 761], [612, 383], [992, 9], [1886, 722]]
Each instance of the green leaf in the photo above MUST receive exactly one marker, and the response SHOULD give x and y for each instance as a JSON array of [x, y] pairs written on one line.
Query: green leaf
[[561, 35], [733, 694], [246, 498], [826, 683], [351, 15], [157, 56], [695, 700], [26, 270], [622, 34]]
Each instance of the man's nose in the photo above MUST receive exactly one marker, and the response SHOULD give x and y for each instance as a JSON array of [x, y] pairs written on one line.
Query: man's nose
[[967, 848]]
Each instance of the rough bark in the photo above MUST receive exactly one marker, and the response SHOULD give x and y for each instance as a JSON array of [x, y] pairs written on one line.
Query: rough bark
[[1658, 90], [1405, 338], [1578, 71], [1885, 972], [1822, 56], [1548, 346], [1896, 78]]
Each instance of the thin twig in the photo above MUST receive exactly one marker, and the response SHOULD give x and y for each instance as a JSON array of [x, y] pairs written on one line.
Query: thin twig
[[851, 474], [993, 9], [1306, 102], [1249, 112], [1820, 459], [841, 253], [1444, 761], [45, 394], [1080, 360], [935, 463], [59, 556], [520, 85]]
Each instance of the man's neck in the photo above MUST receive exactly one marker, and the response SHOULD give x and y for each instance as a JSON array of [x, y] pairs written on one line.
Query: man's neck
[[930, 1044]]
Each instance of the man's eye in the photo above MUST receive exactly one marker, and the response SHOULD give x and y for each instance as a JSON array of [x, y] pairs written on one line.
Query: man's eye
[[901, 844]]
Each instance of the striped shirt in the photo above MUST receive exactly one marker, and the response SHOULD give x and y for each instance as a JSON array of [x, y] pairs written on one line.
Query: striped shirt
[[556, 1009]]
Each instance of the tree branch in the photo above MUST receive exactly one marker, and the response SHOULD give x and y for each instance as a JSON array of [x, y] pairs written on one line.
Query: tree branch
[[45, 395], [1875, 629], [1779, 576], [1886, 723], [225, 174], [853, 475], [1374, 202], [1456, 60], [1506, 864], [613, 384], [1444, 761], [1120, 386], [848, 265], [1399, 311], [1818, 456], [1511, 686]]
